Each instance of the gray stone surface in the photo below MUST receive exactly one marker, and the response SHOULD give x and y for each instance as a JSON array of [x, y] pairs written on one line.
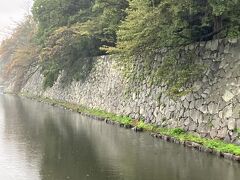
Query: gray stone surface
[[227, 112], [227, 96], [231, 124], [222, 133], [212, 108]]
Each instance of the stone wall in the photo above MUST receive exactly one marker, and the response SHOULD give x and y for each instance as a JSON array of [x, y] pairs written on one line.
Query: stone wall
[[211, 110]]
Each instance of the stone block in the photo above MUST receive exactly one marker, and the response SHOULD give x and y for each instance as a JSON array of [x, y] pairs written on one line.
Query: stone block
[[186, 104], [213, 133], [238, 123], [196, 115], [236, 111], [214, 45], [203, 128], [212, 108], [216, 123], [192, 126], [231, 124], [191, 106], [233, 41], [222, 133], [197, 86], [227, 112]]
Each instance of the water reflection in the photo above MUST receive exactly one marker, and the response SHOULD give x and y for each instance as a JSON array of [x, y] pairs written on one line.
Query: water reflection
[[41, 142]]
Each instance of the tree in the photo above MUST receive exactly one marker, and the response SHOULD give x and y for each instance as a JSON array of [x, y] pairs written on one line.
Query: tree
[[72, 32], [152, 25], [52, 14], [109, 14], [19, 52], [225, 16]]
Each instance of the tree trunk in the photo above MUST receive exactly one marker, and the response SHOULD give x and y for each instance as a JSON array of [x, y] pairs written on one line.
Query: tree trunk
[[218, 25]]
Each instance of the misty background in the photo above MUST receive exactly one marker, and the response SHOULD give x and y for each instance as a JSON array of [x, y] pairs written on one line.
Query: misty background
[[12, 12]]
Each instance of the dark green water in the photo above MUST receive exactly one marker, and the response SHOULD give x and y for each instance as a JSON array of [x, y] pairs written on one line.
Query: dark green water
[[40, 142]]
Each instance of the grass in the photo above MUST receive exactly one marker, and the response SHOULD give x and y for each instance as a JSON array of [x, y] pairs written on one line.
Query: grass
[[179, 134]]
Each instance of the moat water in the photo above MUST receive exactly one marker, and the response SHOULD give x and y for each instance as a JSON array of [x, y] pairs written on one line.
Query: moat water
[[41, 142]]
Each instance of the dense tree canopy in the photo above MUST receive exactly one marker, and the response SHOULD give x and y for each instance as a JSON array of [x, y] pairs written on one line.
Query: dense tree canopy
[[153, 24], [71, 32]]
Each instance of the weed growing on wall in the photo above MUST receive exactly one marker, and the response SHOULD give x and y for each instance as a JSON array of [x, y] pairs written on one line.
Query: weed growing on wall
[[175, 70]]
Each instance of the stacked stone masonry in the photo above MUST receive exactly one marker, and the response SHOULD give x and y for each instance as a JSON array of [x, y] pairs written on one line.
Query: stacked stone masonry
[[211, 110]]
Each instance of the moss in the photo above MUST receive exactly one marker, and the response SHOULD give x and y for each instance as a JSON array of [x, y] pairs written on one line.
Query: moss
[[238, 130], [177, 133], [142, 125]]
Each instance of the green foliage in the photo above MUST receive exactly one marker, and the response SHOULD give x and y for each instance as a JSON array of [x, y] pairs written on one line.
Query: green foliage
[[109, 14], [51, 75], [223, 7], [154, 25], [52, 14], [70, 50], [148, 28], [237, 130], [178, 75], [178, 131], [71, 33], [142, 125]]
